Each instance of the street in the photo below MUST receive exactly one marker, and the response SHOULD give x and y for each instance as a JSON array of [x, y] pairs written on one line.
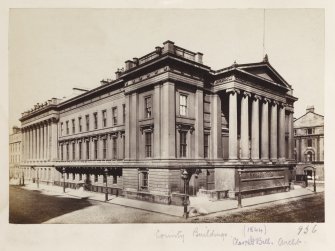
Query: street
[[31, 206]]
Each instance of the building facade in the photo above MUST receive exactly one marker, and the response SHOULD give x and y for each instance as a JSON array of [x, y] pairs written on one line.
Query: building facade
[[166, 113], [309, 143], [14, 152]]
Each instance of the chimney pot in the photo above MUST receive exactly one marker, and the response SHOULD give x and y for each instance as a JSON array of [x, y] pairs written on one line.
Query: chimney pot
[[310, 108]]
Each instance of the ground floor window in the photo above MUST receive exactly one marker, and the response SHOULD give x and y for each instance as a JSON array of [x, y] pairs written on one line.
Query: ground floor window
[[114, 179], [143, 179], [183, 144]]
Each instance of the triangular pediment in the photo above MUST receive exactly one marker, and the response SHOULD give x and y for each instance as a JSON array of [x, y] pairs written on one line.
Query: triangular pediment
[[309, 119], [264, 71]]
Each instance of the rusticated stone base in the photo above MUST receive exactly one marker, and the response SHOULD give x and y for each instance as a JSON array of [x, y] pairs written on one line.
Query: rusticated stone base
[[147, 196]]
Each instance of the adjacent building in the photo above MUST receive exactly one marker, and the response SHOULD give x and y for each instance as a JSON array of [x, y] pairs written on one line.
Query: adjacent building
[[166, 113], [309, 143], [14, 152]]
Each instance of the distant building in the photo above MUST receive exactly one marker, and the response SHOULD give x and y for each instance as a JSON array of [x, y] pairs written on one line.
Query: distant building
[[164, 115], [309, 143], [14, 152]]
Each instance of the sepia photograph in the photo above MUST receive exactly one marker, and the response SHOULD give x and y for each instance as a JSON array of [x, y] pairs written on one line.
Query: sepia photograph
[[166, 116]]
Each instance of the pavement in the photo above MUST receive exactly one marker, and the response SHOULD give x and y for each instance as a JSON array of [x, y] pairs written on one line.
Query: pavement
[[198, 205]]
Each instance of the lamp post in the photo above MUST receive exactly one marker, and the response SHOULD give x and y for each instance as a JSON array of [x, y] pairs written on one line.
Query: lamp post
[[106, 192], [314, 180], [63, 174], [184, 177], [37, 178], [239, 199]]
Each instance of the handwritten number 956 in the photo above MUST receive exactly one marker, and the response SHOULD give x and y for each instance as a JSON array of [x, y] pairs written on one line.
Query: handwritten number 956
[[307, 229]]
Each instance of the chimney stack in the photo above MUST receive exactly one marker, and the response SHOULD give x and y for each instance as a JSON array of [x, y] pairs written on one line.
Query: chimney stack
[[310, 108], [168, 46], [129, 65], [198, 57]]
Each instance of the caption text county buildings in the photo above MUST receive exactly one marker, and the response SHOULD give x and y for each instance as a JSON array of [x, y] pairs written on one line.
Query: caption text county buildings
[[165, 112]]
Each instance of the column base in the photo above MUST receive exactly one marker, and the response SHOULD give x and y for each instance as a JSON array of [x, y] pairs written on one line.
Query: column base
[[274, 160], [256, 160]]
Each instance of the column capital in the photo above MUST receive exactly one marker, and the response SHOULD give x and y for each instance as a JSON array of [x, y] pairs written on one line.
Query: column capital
[[233, 91], [274, 102], [256, 97], [282, 105], [246, 94], [266, 100]]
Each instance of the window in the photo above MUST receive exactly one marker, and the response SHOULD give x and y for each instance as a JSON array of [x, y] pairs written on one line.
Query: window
[[104, 178], [79, 124], [295, 132], [309, 142], [309, 131], [104, 118], [95, 117], [114, 115], [61, 129], [67, 151], [95, 178], [147, 106], [61, 152], [143, 179], [183, 105], [124, 113], [148, 144], [183, 144], [87, 150], [206, 143], [80, 150], [73, 151], [95, 149], [73, 176], [73, 127], [80, 176], [114, 179], [67, 176], [114, 139], [87, 118], [104, 148], [67, 128]]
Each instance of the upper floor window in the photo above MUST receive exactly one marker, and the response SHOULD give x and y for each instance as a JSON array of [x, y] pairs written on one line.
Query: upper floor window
[[87, 118], [73, 127], [309, 142], [67, 152], [309, 131], [182, 104], [61, 129], [148, 107], [104, 148], [79, 124], [95, 149], [114, 141], [104, 118], [114, 179], [87, 150], [67, 128], [148, 144], [114, 115], [124, 113], [73, 151], [73, 176], [295, 132], [183, 144], [206, 143], [61, 152], [80, 150], [95, 117], [95, 178]]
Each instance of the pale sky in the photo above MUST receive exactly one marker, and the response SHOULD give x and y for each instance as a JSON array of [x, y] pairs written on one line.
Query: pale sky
[[54, 50]]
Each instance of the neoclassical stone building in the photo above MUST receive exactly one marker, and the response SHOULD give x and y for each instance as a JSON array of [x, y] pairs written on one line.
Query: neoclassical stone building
[[309, 143], [14, 152], [164, 113]]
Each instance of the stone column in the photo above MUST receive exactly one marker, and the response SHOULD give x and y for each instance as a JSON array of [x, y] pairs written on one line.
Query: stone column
[[42, 142], [233, 123], [30, 143], [35, 143], [46, 145], [54, 141], [274, 131], [127, 127], [245, 126], [49, 140], [199, 124], [157, 121], [216, 122], [290, 136], [265, 131], [255, 128], [168, 128], [281, 133], [38, 142]]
